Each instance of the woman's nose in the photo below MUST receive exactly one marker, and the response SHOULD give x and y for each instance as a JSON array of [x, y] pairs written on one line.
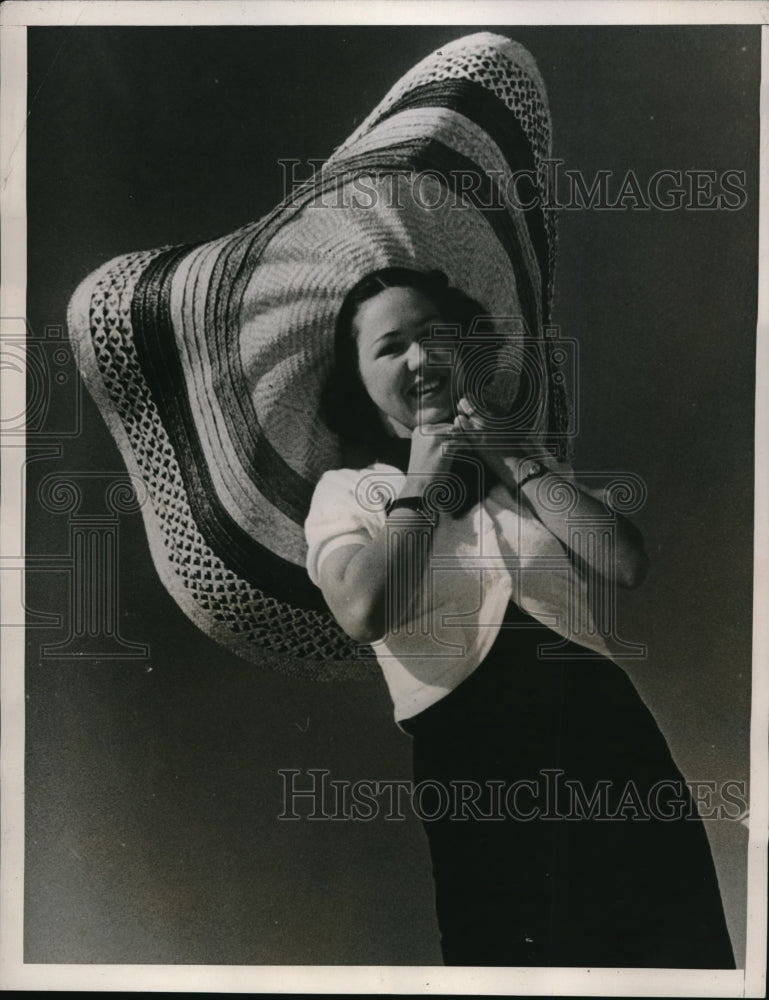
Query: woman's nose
[[414, 356]]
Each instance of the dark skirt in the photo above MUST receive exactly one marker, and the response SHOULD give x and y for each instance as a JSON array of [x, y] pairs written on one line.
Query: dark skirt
[[563, 832]]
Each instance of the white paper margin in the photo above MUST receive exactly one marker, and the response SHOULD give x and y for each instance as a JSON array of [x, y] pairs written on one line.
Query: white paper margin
[[14, 974]]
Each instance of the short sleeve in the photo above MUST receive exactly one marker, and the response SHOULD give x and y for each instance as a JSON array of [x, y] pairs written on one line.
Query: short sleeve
[[337, 517]]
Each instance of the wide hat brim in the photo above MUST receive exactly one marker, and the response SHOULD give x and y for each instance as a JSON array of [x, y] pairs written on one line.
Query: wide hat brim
[[207, 362]]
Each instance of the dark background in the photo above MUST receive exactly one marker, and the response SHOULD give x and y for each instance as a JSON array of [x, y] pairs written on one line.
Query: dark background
[[152, 791]]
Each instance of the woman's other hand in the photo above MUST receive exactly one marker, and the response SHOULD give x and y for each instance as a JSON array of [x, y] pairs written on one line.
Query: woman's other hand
[[489, 444]]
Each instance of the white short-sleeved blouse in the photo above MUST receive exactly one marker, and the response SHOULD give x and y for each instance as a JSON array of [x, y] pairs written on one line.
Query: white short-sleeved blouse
[[496, 552]]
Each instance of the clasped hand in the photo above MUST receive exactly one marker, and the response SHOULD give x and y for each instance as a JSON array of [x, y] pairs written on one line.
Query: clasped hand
[[488, 442], [434, 446]]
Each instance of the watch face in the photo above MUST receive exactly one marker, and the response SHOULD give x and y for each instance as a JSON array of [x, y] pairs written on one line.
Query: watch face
[[534, 469]]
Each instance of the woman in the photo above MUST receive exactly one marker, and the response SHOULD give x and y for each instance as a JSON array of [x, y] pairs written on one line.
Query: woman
[[560, 830]]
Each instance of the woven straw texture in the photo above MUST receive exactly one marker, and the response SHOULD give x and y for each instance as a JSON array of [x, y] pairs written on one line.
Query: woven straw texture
[[207, 361]]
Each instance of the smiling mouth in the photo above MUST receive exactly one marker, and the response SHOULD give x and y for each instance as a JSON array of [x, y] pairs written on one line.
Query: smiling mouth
[[427, 388]]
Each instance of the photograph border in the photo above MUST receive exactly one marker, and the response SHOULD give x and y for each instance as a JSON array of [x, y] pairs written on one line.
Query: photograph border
[[15, 17]]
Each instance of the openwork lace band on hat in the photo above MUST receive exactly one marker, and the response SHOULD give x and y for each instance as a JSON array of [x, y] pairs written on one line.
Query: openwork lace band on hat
[[208, 361]]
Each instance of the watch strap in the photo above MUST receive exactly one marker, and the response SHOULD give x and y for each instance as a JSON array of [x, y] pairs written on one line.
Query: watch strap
[[416, 504]]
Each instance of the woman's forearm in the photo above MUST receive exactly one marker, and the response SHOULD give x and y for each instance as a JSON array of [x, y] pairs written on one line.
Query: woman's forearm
[[386, 582], [630, 562], [375, 588]]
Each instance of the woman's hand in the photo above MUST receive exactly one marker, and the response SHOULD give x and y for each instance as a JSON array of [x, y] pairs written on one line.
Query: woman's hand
[[489, 444], [433, 447]]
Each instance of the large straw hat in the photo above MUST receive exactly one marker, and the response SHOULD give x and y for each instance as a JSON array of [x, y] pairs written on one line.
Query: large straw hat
[[207, 361]]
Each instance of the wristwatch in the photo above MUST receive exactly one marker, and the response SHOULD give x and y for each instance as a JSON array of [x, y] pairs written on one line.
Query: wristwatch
[[417, 504], [535, 469]]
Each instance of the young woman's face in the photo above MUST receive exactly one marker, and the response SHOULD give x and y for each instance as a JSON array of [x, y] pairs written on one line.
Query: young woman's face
[[388, 330]]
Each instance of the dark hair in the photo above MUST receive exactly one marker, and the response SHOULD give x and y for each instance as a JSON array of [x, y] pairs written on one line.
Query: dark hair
[[346, 407]]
